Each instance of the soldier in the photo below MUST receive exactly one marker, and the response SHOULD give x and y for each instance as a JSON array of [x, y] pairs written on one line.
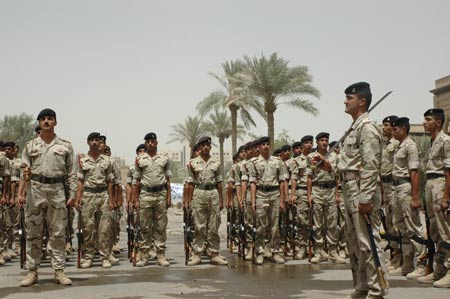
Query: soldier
[[204, 173], [233, 191], [267, 175], [406, 185], [342, 244], [49, 162], [5, 174], [323, 198], [140, 149], [299, 193], [152, 195], [94, 195], [11, 212], [437, 196], [359, 167], [392, 213], [117, 202]]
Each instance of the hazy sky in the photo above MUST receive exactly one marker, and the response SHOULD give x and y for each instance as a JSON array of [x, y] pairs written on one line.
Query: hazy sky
[[126, 68]]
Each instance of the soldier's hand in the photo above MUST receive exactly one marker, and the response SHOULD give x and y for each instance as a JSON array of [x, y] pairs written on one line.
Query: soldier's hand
[[3, 200], [221, 204], [136, 204], [71, 202], [365, 208], [292, 199], [229, 204], [338, 199], [444, 205], [169, 203], [22, 201], [282, 205], [254, 207], [415, 203]]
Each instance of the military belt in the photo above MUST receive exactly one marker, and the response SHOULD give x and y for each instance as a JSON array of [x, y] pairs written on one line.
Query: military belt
[[387, 179], [264, 188], [325, 185], [401, 181], [95, 189], [302, 188], [157, 188], [206, 187], [349, 176], [46, 180], [444, 245], [431, 176]]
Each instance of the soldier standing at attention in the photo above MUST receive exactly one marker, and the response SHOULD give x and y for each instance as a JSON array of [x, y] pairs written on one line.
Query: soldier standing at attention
[[94, 195], [5, 175], [206, 200], [152, 194], [299, 193], [406, 185], [359, 166], [323, 198], [437, 196], [49, 162], [267, 175], [393, 214]]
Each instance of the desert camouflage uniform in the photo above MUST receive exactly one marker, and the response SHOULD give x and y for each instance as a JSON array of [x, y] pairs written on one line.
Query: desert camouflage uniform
[[5, 171], [359, 166], [51, 165]]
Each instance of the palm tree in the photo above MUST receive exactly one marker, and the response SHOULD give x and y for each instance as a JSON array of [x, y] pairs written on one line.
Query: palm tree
[[235, 98], [190, 131], [273, 83], [219, 125]]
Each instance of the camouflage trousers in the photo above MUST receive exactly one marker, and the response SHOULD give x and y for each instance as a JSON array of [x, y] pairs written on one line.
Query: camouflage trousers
[[153, 220], [116, 216], [46, 203], [8, 219], [302, 205], [249, 215], [392, 211], [409, 224], [206, 216], [267, 220], [342, 242], [439, 222], [365, 277], [324, 218], [97, 224]]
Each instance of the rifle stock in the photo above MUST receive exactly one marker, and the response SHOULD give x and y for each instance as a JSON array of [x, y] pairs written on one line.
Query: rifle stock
[[79, 238], [22, 238]]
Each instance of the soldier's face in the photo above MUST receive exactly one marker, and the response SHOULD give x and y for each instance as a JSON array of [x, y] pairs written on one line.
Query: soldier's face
[[47, 123], [297, 151], [9, 152], [264, 148], [242, 155], [399, 133], [352, 104], [307, 146], [430, 124], [141, 151], [205, 148], [322, 143], [285, 155], [93, 144], [101, 146], [151, 144], [387, 129], [249, 153]]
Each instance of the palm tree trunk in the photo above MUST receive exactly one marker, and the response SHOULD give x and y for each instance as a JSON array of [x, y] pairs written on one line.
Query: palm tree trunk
[[221, 141], [270, 108], [233, 111]]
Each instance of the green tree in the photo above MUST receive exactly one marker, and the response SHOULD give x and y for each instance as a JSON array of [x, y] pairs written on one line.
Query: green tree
[[17, 128], [273, 83], [219, 125], [282, 139], [190, 131], [235, 98]]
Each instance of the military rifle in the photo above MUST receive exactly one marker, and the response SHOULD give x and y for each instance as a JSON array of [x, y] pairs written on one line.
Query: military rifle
[[130, 232], [229, 229], [311, 233], [293, 228], [242, 231], [376, 258], [254, 237], [22, 238], [79, 237], [137, 231], [187, 233], [431, 250]]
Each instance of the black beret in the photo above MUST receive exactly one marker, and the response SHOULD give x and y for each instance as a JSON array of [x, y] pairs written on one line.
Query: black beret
[[358, 88], [37, 129], [322, 135], [332, 143], [306, 138], [1, 143], [263, 140], [400, 121], [102, 138], [204, 139], [140, 147], [241, 148], [434, 112], [285, 148], [254, 143], [195, 147], [296, 144], [9, 144], [46, 112], [94, 135], [390, 119], [107, 149], [277, 152], [149, 136]]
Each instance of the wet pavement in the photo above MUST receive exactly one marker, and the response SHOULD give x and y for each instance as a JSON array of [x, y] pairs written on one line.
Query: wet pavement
[[295, 279]]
